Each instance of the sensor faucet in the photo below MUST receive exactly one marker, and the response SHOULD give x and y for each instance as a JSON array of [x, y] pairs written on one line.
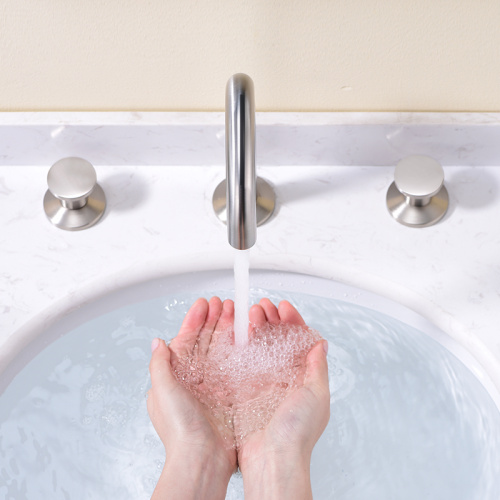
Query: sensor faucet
[[242, 201], [241, 194]]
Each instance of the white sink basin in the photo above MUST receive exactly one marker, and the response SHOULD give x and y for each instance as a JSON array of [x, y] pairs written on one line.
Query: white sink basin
[[413, 414]]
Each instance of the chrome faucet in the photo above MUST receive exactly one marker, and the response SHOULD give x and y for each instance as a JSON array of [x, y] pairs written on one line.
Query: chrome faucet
[[243, 201], [241, 192]]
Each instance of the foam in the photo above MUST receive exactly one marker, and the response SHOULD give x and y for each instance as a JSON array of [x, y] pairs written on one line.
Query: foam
[[242, 386]]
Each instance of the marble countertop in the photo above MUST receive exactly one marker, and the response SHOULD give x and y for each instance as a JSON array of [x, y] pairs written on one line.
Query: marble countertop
[[331, 217]]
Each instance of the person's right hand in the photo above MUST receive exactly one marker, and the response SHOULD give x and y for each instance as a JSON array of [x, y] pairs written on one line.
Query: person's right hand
[[275, 460], [200, 453]]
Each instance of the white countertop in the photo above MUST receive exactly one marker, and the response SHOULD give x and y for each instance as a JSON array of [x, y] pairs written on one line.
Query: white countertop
[[331, 219]]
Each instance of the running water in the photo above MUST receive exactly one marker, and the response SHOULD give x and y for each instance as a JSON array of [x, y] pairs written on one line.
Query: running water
[[241, 301]]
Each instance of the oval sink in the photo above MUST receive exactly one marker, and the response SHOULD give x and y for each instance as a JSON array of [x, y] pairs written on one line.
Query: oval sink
[[413, 415]]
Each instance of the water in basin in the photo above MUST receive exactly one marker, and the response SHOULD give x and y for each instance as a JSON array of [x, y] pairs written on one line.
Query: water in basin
[[409, 420]]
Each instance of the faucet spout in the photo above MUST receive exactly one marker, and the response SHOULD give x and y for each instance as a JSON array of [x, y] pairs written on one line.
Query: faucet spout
[[241, 191], [243, 201]]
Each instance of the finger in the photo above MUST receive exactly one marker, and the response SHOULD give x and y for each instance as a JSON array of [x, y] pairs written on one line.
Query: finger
[[226, 319], [205, 336], [159, 366], [271, 311], [288, 314], [183, 344], [257, 319], [225, 323], [316, 376]]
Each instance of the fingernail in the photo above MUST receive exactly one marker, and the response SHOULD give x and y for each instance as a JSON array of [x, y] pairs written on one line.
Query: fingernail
[[325, 346], [155, 344]]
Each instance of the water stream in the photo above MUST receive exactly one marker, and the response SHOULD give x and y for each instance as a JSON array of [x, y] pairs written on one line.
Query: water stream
[[241, 296]]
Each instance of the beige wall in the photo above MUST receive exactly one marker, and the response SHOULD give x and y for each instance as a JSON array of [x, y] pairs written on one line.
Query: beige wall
[[326, 55]]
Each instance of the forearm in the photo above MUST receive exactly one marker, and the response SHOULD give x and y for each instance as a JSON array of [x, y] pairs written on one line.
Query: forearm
[[191, 478], [278, 478]]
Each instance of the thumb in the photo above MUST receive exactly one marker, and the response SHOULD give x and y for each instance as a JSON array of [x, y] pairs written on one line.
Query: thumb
[[316, 376], [159, 366]]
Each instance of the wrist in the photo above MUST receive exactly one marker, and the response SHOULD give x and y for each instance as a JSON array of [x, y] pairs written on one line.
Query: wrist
[[277, 476], [193, 474], [201, 457]]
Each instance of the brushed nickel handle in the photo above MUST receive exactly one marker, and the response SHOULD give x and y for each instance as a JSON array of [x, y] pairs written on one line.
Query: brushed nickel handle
[[418, 197], [74, 200]]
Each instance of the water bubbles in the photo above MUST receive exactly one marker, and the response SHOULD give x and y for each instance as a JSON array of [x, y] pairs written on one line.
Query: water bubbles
[[172, 304], [95, 392], [246, 384]]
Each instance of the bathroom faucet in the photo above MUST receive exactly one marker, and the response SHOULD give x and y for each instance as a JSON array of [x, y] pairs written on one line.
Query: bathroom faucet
[[242, 201], [241, 194]]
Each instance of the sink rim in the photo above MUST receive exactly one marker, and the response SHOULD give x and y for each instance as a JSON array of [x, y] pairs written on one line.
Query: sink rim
[[346, 284]]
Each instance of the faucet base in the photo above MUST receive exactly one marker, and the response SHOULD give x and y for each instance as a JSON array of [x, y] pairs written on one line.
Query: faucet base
[[413, 215], [266, 201], [79, 218]]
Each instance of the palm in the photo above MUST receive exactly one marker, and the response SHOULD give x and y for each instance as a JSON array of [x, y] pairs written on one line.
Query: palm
[[290, 424], [201, 329], [282, 427], [202, 426], [287, 429]]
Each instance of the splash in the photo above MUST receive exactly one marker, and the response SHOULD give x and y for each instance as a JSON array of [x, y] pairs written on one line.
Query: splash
[[243, 386]]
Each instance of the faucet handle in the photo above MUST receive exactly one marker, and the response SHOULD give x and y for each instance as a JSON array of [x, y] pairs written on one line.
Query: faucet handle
[[418, 197], [74, 200]]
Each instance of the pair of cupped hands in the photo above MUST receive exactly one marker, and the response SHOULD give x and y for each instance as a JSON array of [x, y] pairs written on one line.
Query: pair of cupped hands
[[274, 461]]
